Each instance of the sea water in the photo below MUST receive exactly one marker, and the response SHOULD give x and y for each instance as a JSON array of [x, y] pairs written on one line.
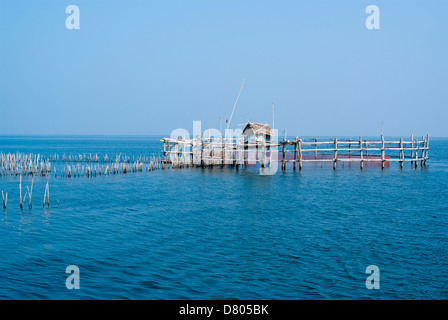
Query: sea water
[[218, 233]]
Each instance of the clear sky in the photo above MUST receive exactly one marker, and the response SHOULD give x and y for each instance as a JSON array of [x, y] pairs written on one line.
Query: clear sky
[[148, 67]]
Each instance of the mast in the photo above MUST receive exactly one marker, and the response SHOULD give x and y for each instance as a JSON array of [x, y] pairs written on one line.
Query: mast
[[239, 93]]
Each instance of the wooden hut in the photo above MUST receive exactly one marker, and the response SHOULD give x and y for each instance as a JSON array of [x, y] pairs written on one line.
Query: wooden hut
[[257, 132]]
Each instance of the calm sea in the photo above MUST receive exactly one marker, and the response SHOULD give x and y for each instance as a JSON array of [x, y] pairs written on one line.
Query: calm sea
[[220, 234]]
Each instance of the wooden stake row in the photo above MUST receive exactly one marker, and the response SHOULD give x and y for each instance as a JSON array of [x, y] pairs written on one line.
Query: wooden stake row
[[19, 164], [29, 192]]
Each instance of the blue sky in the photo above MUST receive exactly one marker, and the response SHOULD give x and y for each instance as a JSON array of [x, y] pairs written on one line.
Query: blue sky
[[147, 67]]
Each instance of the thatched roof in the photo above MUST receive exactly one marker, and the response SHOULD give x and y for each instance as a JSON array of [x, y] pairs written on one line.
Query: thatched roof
[[256, 128]]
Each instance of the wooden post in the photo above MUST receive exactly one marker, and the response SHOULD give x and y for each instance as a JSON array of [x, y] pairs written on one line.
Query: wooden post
[[270, 153], [349, 148], [263, 150], [256, 152], [168, 153], [237, 155], [45, 196], [360, 153], [401, 153], [182, 156], [284, 156], [5, 200], [245, 148], [20, 189], [202, 151], [383, 158], [233, 153], [315, 152], [178, 153], [164, 155], [335, 159], [223, 147], [30, 194], [296, 143], [300, 154], [265, 155], [266, 143], [48, 195], [423, 152], [367, 150], [416, 157], [412, 148], [416, 154], [193, 151]]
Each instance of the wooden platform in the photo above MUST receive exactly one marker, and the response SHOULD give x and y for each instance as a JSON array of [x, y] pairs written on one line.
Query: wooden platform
[[237, 151]]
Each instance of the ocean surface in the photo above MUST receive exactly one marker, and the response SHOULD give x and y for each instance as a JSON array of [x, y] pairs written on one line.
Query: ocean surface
[[215, 233]]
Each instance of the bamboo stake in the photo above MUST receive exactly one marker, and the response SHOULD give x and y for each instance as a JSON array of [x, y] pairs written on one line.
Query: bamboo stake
[[350, 147], [24, 198], [296, 143], [401, 153], [30, 193], [360, 153], [20, 189], [45, 195], [335, 160], [284, 157], [423, 152], [5, 199]]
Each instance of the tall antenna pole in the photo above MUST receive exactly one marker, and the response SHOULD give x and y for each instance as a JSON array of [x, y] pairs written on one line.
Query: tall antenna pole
[[228, 124]]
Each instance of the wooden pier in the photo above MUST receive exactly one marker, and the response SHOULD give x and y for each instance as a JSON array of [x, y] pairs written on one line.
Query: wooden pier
[[238, 151]]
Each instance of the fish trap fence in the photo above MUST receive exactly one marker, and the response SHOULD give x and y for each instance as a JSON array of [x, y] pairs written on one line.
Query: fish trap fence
[[238, 151]]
